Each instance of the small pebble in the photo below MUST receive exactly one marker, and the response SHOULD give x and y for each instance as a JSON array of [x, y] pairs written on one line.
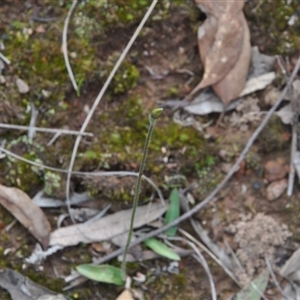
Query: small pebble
[[276, 189], [256, 185]]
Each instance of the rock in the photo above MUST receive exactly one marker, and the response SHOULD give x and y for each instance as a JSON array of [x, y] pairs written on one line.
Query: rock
[[275, 170], [22, 86], [276, 189]]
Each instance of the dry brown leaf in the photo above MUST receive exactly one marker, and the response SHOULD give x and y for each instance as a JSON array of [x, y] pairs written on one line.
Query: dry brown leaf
[[26, 212], [224, 45], [231, 85], [107, 227]]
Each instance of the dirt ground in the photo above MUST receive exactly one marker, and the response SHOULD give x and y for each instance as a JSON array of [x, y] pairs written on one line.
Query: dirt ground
[[163, 64]]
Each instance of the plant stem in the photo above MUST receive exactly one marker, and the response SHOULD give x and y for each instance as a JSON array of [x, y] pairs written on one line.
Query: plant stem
[[155, 114]]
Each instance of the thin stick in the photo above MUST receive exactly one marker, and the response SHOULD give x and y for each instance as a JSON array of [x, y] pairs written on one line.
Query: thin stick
[[65, 46], [232, 171], [295, 124], [292, 172], [99, 97], [34, 114], [42, 129]]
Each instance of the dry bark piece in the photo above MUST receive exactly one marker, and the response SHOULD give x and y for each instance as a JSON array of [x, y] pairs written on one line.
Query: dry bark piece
[[224, 45], [26, 212]]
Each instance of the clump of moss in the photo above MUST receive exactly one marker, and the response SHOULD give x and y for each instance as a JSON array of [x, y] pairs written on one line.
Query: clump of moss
[[20, 173], [126, 77], [253, 161], [271, 18], [108, 188], [271, 138]]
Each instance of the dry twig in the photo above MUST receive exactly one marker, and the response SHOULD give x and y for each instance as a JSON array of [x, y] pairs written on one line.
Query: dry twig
[[65, 46], [47, 130]]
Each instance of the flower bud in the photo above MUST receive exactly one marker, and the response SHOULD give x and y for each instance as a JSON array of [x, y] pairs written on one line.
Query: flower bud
[[156, 113]]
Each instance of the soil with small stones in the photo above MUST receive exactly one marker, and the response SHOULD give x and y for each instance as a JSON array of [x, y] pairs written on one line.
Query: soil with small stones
[[166, 56]]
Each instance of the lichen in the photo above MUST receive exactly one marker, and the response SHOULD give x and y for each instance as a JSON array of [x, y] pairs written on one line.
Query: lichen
[[20, 173], [52, 182]]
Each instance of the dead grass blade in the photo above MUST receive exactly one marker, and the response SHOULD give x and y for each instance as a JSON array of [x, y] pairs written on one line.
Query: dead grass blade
[[26, 212]]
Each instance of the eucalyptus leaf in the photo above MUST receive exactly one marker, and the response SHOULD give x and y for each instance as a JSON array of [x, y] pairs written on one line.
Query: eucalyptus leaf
[[255, 288], [102, 273], [161, 249], [173, 212]]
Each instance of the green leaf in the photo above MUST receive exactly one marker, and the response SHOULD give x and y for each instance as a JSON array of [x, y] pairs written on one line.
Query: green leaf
[[102, 273], [250, 292], [173, 212], [161, 249]]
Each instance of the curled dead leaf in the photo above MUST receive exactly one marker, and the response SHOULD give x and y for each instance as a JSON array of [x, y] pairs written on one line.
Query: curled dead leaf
[[224, 45], [26, 212]]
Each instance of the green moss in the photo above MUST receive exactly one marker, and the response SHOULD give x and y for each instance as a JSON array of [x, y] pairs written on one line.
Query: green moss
[[253, 161], [20, 173], [271, 138], [173, 91], [169, 286], [270, 20], [126, 77]]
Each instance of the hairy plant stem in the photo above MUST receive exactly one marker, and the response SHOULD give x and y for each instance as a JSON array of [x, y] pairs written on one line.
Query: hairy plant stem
[[155, 114]]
